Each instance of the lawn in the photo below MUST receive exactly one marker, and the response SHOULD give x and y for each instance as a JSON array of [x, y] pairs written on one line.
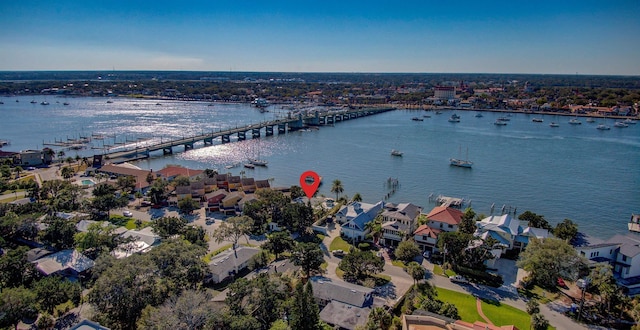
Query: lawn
[[339, 244], [465, 303], [437, 270]]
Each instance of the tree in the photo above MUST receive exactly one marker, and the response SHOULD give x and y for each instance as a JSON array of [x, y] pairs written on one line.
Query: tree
[[337, 188], [187, 205], [534, 220], [407, 250], [375, 227], [150, 178], [105, 199], [126, 183], [566, 230], [533, 307], [59, 233], [169, 226], [54, 290], [308, 256], [16, 304], [468, 222], [416, 271], [15, 270], [233, 229], [603, 283], [279, 242], [296, 192], [305, 314], [190, 310], [379, 318], [539, 322], [360, 264], [18, 170], [356, 197], [96, 239], [195, 235], [67, 172], [157, 191], [548, 259]]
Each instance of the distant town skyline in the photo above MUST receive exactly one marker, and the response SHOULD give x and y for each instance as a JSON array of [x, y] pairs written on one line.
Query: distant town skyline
[[540, 37]]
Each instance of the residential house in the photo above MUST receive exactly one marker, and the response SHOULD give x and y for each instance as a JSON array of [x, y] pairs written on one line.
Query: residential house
[[439, 219], [230, 262], [140, 241], [399, 222], [354, 217], [214, 199], [169, 173], [230, 203], [509, 232], [29, 158], [262, 184], [342, 304], [234, 183], [88, 325], [67, 263], [117, 170], [210, 184], [421, 319], [248, 185], [622, 252]]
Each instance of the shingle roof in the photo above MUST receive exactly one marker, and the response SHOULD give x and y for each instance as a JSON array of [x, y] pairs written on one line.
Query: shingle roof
[[63, 260], [352, 294], [630, 246], [173, 171], [225, 262], [445, 214], [425, 230], [344, 315]]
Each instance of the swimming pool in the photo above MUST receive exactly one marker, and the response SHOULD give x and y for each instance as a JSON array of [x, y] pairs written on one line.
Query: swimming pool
[[88, 183]]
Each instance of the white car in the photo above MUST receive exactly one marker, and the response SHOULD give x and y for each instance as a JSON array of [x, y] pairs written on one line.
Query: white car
[[127, 213], [458, 279]]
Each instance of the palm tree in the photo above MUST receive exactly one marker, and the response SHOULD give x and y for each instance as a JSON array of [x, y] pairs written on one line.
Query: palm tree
[[18, 170], [356, 197], [416, 271], [337, 188], [375, 227]]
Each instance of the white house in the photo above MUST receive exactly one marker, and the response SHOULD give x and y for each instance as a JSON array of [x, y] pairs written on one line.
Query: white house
[[143, 240], [509, 232], [354, 217], [68, 263], [623, 253]]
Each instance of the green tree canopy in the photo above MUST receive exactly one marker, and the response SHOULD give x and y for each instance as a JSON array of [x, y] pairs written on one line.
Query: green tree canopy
[[566, 230], [468, 222], [534, 220], [416, 271], [305, 314], [59, 233], [233, 229], [279, 242], [16, 304], [308, 256], [407, 250], [359, 264], [548, 259], [337, 188]]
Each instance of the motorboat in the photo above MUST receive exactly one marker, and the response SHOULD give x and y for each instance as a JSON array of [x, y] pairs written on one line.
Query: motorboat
[[479, 115], [251, 166], [44, 103], [591, 120], [620, 124], [537, 120], [397, 153], [417, 119], [575, 121], [258, 162], [629, 121], [454, 118], [603, 127], [504, 119], [553, 124], [499, 122]]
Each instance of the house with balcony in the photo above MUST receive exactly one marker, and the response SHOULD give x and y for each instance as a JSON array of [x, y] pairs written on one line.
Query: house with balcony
[[509, 232], [444, 218], [426, 238], [622, 252], [399, 222], [354, 217]]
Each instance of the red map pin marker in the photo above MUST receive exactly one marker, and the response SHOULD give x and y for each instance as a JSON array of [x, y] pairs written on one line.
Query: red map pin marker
[[309, 187]]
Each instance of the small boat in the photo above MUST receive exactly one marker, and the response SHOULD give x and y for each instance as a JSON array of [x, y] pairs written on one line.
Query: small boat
[[65, 103], [417, 119], [426, 116], [32, 101], [158, 103], [504, 119], [591, 120], [537, 120], [575, 121], [629, 121], [620, 124], [479, 115], [554, 124], [395, 152], [44, 103], [109, 101], [251, 166], [454, 118], [466, 163], [603, 127], [438, 112], [258, 162], [499, 122]]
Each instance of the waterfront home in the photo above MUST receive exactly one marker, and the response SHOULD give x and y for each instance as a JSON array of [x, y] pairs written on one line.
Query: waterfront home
[[354, 217], [399, 222], [444, 218], [214, 199], [509, 232], [169, 173], [248, 185], [229, 205], [426, 238], [117, 170], [29, 158], [622, 252], [66, 263], [230, 262], [343, 305]]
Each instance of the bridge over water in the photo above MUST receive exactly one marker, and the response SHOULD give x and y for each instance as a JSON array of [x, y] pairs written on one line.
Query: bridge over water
[[291, 123]]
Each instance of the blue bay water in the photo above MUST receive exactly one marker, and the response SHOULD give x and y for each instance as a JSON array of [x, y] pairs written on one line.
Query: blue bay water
[[572, 171]]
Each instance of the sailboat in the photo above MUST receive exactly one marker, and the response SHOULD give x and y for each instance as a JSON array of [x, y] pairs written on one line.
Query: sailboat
[[461, 162], [395, 152]]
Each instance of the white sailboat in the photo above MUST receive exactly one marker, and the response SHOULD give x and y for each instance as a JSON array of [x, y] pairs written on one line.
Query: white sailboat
[[461, 162]]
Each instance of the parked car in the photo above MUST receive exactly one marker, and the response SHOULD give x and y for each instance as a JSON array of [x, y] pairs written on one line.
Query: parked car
[[426, 254], [127, 213], [209, 220], [338, 253], [458, 279]]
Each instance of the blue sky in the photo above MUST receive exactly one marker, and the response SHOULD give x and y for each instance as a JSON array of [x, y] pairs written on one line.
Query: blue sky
[[587, 37]]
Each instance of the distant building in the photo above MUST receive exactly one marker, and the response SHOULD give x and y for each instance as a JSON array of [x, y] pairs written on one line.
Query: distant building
[[444, 92], [29, 158]]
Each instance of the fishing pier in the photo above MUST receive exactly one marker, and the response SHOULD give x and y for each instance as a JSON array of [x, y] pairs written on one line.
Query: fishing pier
[[293, 122]]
